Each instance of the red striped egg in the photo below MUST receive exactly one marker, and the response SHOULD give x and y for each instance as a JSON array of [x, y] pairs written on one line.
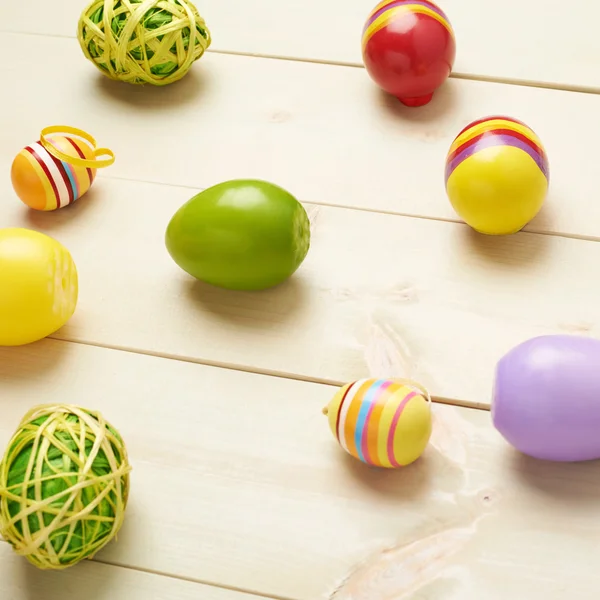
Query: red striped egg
[[408, 48], [381, 422], [57, 170]]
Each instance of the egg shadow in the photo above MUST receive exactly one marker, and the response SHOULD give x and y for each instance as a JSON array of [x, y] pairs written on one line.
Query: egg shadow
[[31, 360], [405, 484], [47, 221], [442, 104], [148, 97], [545, 221], [575, 483], [250, 309], [51, 585], [516, 250]]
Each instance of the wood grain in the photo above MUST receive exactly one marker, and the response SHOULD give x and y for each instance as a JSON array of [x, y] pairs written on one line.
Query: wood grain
[[377, 294], [96, 581], [536, 41], [326, 134], [237, 481], [259, 496]]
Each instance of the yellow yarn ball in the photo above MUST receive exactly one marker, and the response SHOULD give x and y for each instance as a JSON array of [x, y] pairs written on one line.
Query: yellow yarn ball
[[143, 41], [64, 486]]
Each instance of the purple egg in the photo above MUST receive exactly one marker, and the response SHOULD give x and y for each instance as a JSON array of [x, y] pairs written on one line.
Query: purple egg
[[546, 398]]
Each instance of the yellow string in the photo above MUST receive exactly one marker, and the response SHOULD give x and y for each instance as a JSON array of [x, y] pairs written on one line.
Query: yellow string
[[48, 428], [112, 52], [73, 160], [416, 386]]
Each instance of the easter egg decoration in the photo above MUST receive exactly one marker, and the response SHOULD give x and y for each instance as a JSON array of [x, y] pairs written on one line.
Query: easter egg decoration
[[381, 422], [408, 49], [58, 169], [38, 286], [243, 235], [143, 41], [546, 398], [64, 486], [497, 175]]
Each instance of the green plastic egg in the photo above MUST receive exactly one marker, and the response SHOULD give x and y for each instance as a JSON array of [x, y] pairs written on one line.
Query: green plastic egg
[[243, 234]]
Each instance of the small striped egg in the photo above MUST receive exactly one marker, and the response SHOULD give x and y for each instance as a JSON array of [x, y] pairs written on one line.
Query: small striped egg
[[43, 182], [497, 175], [381, 422], [408, 48]]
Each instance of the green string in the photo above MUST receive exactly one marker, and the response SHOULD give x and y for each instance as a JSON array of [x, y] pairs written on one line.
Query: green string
[[47, 458]]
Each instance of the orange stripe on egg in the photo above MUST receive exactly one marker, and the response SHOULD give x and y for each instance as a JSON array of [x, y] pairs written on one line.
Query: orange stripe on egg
[[373, 431], [352, 417]]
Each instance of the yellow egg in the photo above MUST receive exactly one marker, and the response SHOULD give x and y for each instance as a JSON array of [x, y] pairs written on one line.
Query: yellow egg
[[497, 175], [382, 422], [38, 286]]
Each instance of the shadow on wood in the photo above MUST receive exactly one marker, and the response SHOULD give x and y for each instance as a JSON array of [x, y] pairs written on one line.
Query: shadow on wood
[[515, 251], [169, 98], [433, 113], [48, 221], [30, 361], [406, 484], [50, 585], [253, 310], [575, 483]]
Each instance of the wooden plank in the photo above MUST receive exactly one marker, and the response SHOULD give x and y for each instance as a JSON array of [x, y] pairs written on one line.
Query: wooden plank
[[325, 134], [237, 481], [525, 41], [406, 297], [96, 581]]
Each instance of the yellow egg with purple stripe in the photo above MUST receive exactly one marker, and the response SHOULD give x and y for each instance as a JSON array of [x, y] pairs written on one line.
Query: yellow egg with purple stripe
[[381, 422], [497, 175], [56, 170]]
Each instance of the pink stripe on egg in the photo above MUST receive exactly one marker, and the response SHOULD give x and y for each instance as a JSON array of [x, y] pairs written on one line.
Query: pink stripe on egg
[[390, 443]]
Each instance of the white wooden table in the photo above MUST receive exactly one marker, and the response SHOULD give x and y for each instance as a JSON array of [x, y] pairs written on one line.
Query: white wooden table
[[219, 394]]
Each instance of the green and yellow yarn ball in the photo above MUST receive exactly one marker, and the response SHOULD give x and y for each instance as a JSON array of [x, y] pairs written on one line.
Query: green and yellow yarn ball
[[64, 486], [143, 41]]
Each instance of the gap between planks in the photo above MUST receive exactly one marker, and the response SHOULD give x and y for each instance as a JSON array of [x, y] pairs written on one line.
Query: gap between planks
[[244, 369], [290, 376], [457, 221], [251, 594], [580, 89]]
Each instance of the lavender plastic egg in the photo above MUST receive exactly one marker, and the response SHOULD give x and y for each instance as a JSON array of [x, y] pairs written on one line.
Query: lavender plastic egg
[[546, 398]]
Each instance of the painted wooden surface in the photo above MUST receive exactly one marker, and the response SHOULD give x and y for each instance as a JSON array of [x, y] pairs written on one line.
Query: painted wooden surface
[[326, 134], [97, 581], [237, 481], [408, 297], [540, 41]]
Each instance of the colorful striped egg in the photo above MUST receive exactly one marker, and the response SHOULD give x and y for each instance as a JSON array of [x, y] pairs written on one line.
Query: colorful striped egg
[[408, 48], [57, 170], [497, 175], [382, 422]]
